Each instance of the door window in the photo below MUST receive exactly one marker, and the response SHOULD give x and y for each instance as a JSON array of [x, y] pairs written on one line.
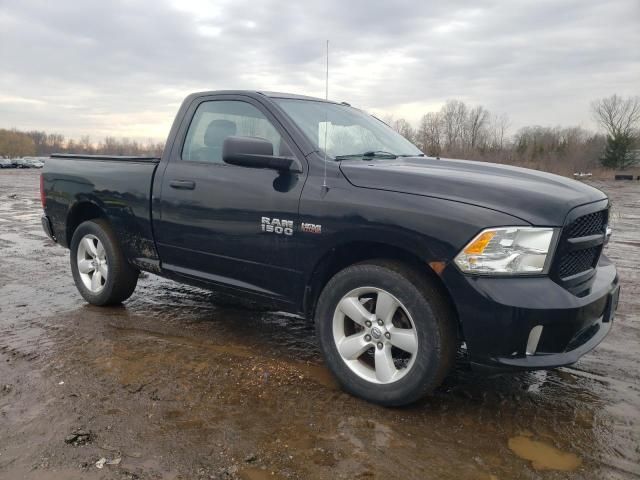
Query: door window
[[216, 120]]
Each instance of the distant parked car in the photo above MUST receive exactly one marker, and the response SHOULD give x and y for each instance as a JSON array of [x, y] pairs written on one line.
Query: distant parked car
[[21, 163], [29, 162], [6, 163], [34, 163]]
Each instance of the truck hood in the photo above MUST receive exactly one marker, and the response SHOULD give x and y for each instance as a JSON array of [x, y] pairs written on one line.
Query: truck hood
[[539, 198]]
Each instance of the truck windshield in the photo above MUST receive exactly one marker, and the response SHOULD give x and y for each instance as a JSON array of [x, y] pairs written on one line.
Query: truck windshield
[[350, 133]]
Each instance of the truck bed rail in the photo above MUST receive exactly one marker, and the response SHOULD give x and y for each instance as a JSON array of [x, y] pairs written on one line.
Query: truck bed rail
[[111, 158]]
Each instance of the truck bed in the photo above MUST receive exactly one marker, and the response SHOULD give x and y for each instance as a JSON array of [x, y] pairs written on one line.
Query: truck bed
[[120, 186]]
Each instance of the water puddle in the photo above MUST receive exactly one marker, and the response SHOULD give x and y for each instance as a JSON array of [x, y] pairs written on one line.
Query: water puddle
[[542, 455]]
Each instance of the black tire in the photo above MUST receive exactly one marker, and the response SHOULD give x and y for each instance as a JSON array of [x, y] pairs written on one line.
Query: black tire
[[432, 316], [122, 277]]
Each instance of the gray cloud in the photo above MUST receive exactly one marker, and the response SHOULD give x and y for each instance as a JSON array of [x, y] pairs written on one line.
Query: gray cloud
[[122, 67]]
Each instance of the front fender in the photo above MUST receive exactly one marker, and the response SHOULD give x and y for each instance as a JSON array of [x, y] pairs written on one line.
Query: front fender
[[425, 228]]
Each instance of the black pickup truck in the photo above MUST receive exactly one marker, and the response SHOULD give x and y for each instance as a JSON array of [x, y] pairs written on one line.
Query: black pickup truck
[[316, 208]]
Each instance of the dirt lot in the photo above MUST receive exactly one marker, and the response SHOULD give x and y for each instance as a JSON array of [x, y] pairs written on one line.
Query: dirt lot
[[176, 386]]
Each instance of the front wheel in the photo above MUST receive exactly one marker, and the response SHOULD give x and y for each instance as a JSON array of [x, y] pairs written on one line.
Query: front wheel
[[386, 331], [100, 270]]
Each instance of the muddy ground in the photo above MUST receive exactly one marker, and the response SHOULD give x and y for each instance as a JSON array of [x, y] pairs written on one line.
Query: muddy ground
[[175, 385]]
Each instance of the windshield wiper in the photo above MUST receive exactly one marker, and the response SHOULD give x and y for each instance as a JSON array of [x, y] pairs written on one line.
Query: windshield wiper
[[370, 154]]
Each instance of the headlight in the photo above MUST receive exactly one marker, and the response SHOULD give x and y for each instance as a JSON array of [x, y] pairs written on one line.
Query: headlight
[[507, 250]]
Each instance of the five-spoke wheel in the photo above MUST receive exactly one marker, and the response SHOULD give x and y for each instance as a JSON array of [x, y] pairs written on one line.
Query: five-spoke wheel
[[100, 270], [386, 330], [92, 263], [375, 335]]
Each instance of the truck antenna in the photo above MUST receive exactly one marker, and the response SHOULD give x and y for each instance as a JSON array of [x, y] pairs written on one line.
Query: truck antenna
[[326, 121]]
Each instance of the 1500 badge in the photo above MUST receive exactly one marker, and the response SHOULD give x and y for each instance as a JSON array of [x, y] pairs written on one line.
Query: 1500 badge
[[285, 227]]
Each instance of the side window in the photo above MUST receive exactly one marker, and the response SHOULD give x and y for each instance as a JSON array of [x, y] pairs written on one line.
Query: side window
[[218, 119]]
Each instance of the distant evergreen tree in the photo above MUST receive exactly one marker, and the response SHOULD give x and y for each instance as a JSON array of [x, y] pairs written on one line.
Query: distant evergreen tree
[[618, 152], [620, 117]]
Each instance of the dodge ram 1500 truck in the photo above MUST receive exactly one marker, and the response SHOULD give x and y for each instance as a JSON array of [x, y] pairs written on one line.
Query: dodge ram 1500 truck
[[315, 207]]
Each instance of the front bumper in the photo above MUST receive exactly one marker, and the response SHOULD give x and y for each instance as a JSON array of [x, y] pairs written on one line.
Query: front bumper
[[532, 322]]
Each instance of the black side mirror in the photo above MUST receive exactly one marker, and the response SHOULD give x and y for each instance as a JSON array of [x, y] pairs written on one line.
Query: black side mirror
[[254, 152]]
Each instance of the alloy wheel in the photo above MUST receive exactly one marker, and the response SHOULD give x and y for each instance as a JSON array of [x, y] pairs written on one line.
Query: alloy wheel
[[92, 263], [375, 335]]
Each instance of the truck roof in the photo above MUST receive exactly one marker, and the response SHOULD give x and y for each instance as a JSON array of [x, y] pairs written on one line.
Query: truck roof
[[267, 94]]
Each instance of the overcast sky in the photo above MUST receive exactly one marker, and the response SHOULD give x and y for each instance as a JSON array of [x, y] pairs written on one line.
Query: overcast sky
[[122, 67]]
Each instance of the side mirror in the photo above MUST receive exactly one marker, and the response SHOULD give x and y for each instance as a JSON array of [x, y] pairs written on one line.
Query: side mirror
[[254, 152]]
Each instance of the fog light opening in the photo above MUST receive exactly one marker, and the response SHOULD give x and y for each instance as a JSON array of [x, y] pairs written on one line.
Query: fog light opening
[[534, 338]]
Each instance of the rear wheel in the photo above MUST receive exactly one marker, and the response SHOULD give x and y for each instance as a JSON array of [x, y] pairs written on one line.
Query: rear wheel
[[100, 270], [386, 331]]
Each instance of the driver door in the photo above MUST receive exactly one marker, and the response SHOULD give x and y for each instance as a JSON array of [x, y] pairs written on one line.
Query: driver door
[[211, 213]]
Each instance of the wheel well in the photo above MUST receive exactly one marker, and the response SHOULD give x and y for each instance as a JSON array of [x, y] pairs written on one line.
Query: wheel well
[[81, 213], [341, 257]]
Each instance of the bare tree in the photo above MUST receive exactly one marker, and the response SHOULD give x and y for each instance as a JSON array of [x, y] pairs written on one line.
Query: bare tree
[[55, 142], [85, 144], [429, 133], [476, 125], [39, 140], [618, 116], [404, 128], [454, 116], [71, 146], [499, 127]]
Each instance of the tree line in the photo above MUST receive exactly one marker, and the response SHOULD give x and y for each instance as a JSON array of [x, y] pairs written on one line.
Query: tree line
[[457, 130], [14, 143]]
